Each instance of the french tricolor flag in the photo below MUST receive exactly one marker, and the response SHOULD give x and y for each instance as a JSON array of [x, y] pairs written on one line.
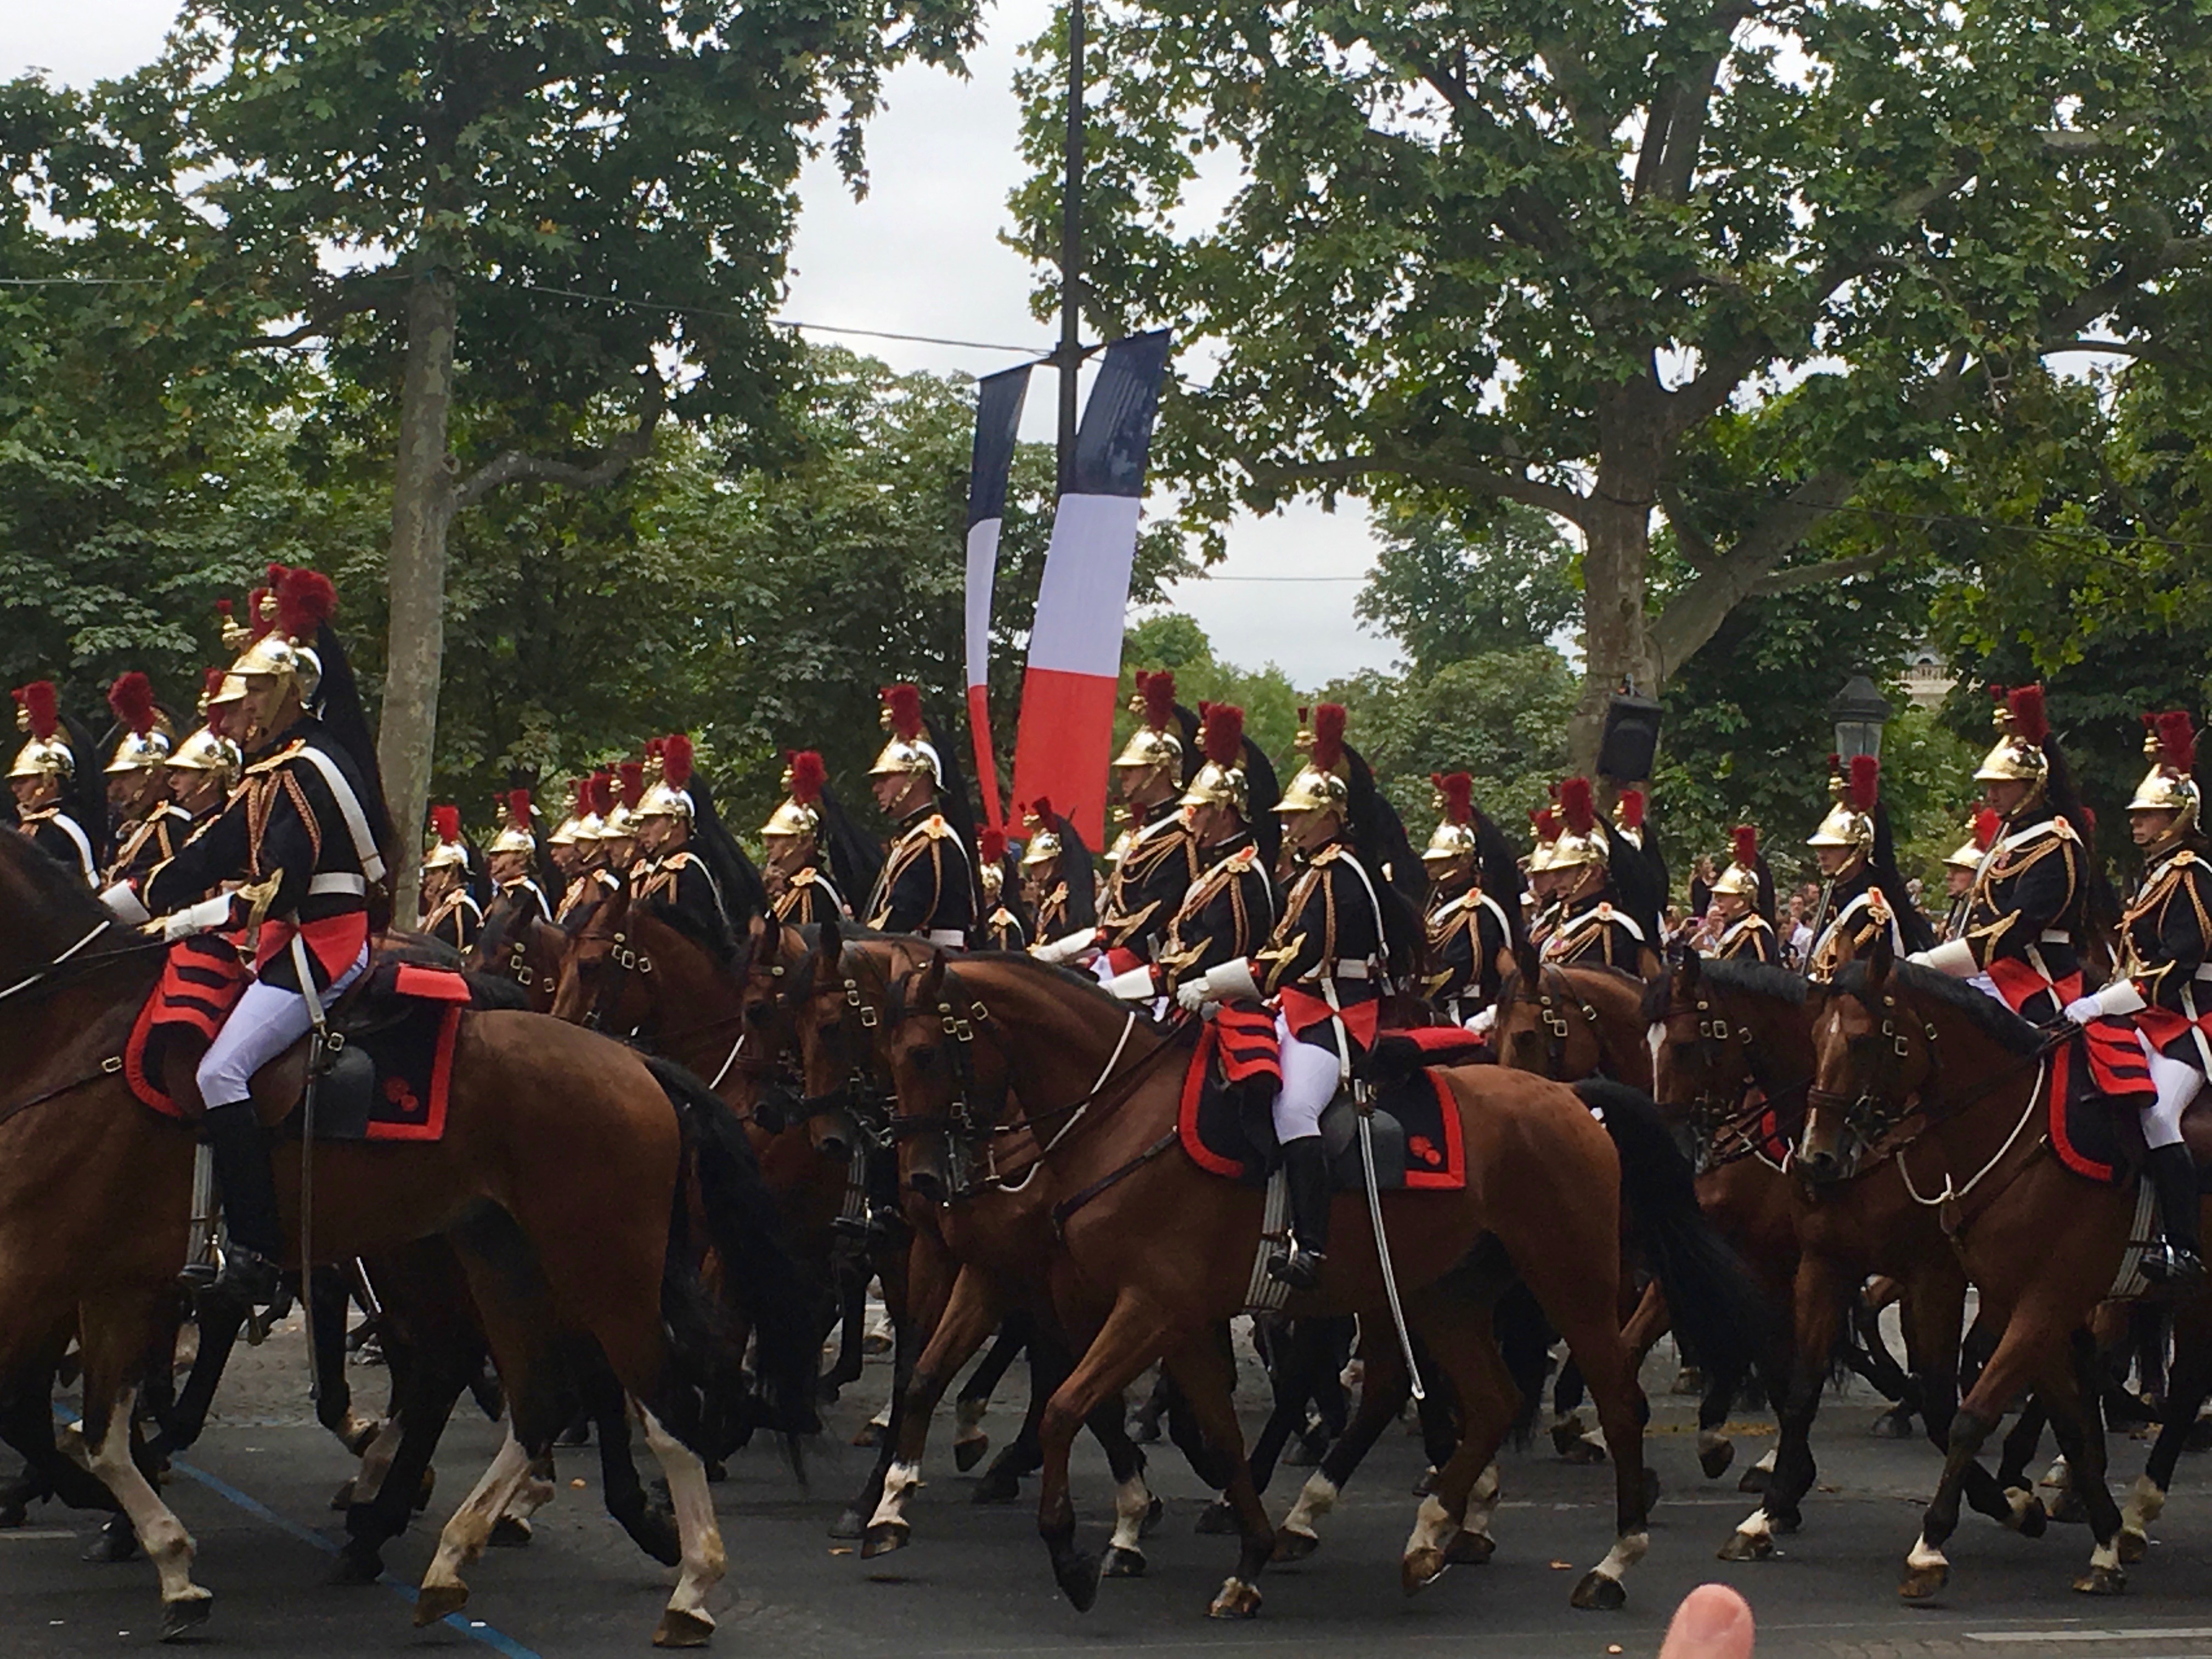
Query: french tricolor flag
[[1067, 732], [998, 417]]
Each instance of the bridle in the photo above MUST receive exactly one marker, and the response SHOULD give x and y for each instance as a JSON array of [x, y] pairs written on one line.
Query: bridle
[[1726, 1122], [1551, 998], [63, 968]]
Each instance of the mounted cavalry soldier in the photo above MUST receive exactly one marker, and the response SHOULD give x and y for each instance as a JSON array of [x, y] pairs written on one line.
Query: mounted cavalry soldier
[[565, 846], [1059, 885], [512, 857], [1002, 929], [1470, 932], [149, 826], [926, 885], [1856, 904], [1154, 860], [450, 911], [1229, 913], [205, 768], [670, 871], [2165, 980], [1325, 965], [1593, 926], [302, 834], [43, 780], [1744, 935], [802, 891], [1962, 863]]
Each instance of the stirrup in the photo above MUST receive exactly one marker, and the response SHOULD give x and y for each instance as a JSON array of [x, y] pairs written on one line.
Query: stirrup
[[2174, 1268], [1299, 1269]]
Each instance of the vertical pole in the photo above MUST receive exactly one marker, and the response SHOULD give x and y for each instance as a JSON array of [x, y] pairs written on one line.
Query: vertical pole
[[1069, 356]]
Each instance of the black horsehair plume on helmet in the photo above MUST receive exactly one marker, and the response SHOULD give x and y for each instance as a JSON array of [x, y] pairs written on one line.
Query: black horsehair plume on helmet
[[1076, 868], [306, 599], [744, 895], [959, 811], [855, 859], [1378, 835], [1263, 789], [1502, 879], [86, 797], [1881, 858]]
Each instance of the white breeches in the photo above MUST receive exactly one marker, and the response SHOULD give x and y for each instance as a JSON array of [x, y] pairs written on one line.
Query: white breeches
[[2177, 1083], [1310, 1076], [267, 1021]]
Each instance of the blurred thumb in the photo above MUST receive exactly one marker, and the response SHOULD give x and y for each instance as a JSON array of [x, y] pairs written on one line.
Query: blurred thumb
[[1713, 1622]]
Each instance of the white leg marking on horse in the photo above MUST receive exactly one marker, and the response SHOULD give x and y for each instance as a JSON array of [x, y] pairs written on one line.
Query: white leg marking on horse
[[1766, 1463], [1756, 1525], [1482, 1503], [1627, 1550], [899, 1480], [2146, 1503], [1655, 1036], [2058, 1474], [1316, 1499], [160, 1532], [969, 1415], [376, 1462], [1924, 1555], [704, 1560], [531, 1494], [882, 1420], [466, 1535], [2106, 1556], [2018, 1500], [1433, 1527], [1132, 1501]]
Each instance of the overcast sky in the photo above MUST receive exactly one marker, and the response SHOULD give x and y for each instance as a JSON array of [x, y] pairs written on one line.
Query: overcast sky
[[920, 255]]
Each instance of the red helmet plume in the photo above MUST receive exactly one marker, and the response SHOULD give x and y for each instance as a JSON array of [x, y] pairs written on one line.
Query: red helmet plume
[[1866, 782], [1986, 825], [305, 601], [2176, 740], [902, 703], [991, 842], [808, 774], [131, 697], [1745, 838], [1224, 734], [675, 760], [1632, 809], [1576, 807], [2029, 721], [1041, 810], [1545, 823], [582, 808], [1329, 736], [42, 708], [1456, 790], [1158, 691], [518, 810], [633, 780], [603, 793], [446, 822]]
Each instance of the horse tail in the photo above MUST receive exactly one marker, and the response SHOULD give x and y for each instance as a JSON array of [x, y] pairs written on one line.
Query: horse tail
[[758, 1277], [1720, 1314]]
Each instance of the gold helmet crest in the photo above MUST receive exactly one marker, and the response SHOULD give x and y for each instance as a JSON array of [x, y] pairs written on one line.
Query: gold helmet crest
[[1044, 847], [1155, 741], [148, 736], [48, 753], [909, 752], [1454, 837], [513, 813], [800, 815], [1221, 781], [1850, 821], [1740, 879], [2170, 785], [447, 851], [1321, 784], [2018, 754]]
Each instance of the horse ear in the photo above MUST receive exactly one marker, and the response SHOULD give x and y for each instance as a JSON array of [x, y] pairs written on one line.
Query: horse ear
[[1879, 960], [758, 927], [930, 988], [829, 942], [1526, 962], [1689, 961]]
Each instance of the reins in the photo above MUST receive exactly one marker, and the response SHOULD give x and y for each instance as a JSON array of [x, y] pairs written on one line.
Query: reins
[[52, 977]]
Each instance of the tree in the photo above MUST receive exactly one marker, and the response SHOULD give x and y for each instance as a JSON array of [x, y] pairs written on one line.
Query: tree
[[1174, 641], [537, 228], [1734, 266], [1448, 592]]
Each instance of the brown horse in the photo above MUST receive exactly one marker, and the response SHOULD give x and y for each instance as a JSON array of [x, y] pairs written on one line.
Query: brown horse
[[1039, 1085], [1567, 1024], [1948, 1084], [516, 942], [556, 1179]]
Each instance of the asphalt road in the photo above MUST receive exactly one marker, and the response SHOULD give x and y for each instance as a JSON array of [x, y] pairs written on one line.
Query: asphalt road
[[255, 1494]]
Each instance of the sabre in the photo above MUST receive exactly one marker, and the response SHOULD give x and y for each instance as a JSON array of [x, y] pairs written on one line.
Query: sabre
[[319, 1040], [1382, 1243]]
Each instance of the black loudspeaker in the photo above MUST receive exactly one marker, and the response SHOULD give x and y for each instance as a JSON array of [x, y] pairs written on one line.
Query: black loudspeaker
[[1625, 753]]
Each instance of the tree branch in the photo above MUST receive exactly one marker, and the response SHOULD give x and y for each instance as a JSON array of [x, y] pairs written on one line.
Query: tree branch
[[1694, 615], [516, 466], [1812, 575], [321, 318], [1479, 480]]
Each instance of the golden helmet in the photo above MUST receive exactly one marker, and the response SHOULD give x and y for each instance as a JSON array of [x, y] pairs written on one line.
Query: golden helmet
[[1628, 817], [2022, 728], [1155, 741], [1545, 824], [284, 619], [619, 821], [2170, 785], [1740, 879], [1981, 835], [800, 815], [909, 752], [148, 736], [1221, 781], [1581, 841], [668, 779], [447, 850], [1320, 785], [514, 815], [991, 862], [207, 750], [581, 824], [48, 753], [1044, 847], [1454, 837], [1850, 823]]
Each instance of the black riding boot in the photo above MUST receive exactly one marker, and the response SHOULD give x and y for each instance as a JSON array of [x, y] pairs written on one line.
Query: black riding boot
[[1305, 1169], [2173, 1177], [247, 1187]]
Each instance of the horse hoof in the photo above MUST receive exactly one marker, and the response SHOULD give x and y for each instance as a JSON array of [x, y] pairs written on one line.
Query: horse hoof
[[112, 1543], [885, 1536], [870, 1434], [966, 1454], [1566, 1433], [849, 1525], [679, 1629], [1583, 1454], [1715, 1460], [1470, 1549], [1427, 1483], [1421, 1568], [1753, 1480], [1216, 1520], [2069, 1509], [1785, 1521], [1747, 1547], [1078, 1574], [13, 1515], [1892, 1424], [354, 1568], [717, 1471], [509, 1531], [1920, 1582], [436, 1602], [997, 1488], [1155, 1512], [2032, 1521], [2102, 1580], [1598, 1594], [1293, 1545], [1304, 1455], [2134, 1545], [1123, 1563], [1237, 1599], [181, 1617], [1689, 1380], [341, 1499]]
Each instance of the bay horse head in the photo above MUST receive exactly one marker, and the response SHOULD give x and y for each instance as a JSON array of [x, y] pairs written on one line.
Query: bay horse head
[[519, 944], [1569, 1023], [837, 1003], [1721, 1033], [1874, 1054], [602, 974], [768, 1070]]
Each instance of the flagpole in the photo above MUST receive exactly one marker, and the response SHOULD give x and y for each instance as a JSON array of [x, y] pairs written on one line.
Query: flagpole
[[1069, 355]]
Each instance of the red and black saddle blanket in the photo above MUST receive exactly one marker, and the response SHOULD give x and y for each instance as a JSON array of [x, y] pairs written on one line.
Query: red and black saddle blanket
[[388, 1078], [1226, 1119], [2098, 1085]]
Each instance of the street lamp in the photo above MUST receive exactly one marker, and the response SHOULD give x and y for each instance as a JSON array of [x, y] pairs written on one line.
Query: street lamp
[[1860, 711]]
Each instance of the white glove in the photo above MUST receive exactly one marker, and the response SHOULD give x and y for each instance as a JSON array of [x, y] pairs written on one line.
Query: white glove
[[1138, 985], [1484, 1022], [1231, 979], [1060, 951], [122, 904], [1954, 957], [1191, 995], [2120, 997], [2082, 1010], [201, 918]]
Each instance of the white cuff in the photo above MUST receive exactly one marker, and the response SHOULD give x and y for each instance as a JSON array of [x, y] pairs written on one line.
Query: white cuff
[[201, 918], [122, 904], [1231, 979], [2120, 997], [1953, 957], [1136, 985], [1066, 948], [1483, 1022]]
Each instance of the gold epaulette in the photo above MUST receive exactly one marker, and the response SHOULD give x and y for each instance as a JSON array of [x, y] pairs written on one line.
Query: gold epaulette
[[270, 762], [935, 826], [1877, 906]]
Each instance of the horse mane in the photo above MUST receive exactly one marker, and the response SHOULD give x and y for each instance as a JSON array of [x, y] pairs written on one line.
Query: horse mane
[[60, 890], [714, 941], [1737, 974], [1985, 1013], [1053, 973]]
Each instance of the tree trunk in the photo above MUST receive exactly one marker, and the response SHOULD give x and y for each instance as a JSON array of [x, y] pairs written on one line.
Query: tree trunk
[[1617, 634], [422, 510]]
